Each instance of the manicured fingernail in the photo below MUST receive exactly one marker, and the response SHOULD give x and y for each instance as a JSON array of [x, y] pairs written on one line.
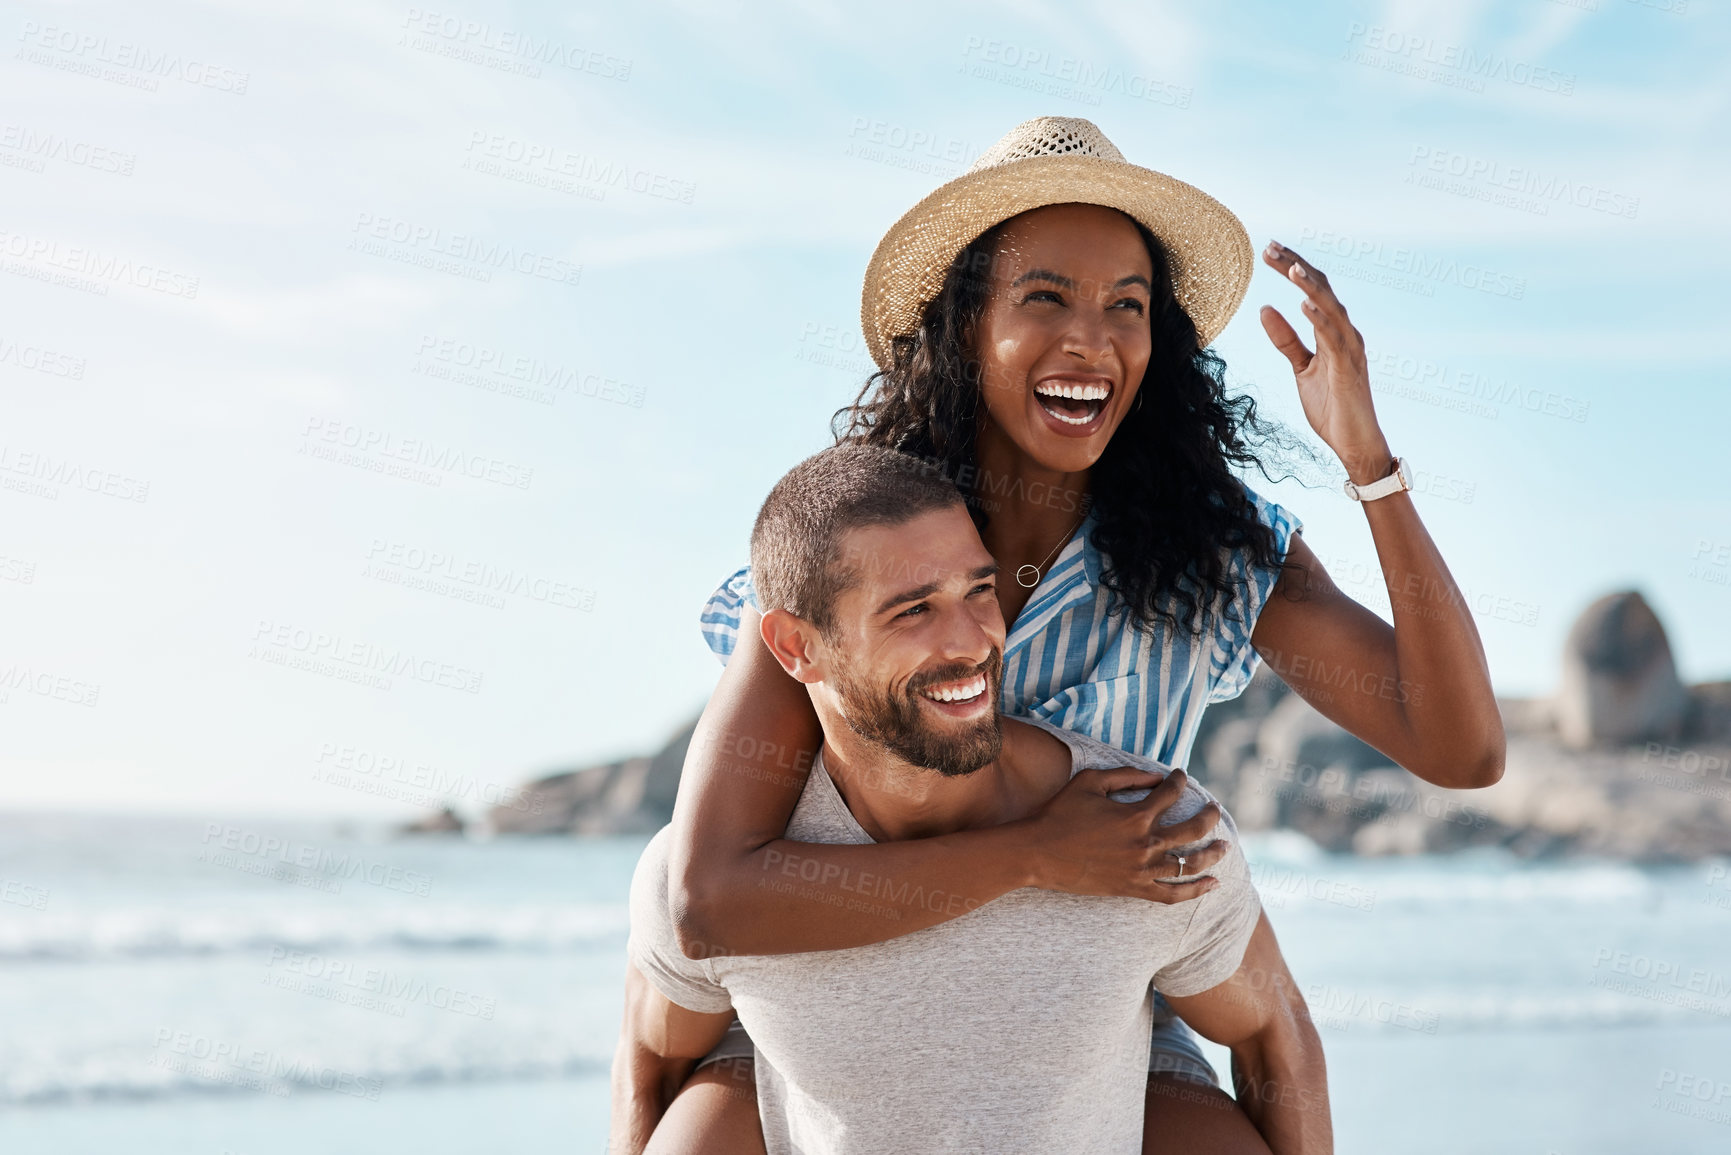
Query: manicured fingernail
[[1298, 270]]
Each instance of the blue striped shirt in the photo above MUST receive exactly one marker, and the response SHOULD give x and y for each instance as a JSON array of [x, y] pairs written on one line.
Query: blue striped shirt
[[1069, 660]]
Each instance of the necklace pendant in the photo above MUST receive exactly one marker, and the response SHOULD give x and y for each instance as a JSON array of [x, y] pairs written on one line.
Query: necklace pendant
[[1028, 576]]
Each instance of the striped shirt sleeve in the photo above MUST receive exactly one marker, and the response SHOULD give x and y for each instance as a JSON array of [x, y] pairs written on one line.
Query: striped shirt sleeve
[[721, 614], [1235, 659]]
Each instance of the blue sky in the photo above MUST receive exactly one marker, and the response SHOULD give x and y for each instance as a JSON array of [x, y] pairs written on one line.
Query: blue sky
[[311, 306]]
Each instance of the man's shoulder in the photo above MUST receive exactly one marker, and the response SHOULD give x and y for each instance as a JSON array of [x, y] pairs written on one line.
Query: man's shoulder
[[1097, 755], [653, 942], [1094, 754], [649, 880]]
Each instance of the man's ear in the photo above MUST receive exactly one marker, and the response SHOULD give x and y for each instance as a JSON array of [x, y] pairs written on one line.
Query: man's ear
[[794, 643]]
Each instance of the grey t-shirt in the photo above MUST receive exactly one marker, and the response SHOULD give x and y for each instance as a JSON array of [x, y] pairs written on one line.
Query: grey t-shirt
[[1019, 1026]]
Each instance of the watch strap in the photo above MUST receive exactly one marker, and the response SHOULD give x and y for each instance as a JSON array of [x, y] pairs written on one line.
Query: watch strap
[[1397, 481]]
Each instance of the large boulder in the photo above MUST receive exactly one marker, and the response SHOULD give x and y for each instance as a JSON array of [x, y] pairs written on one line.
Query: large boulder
[[1619, 684]]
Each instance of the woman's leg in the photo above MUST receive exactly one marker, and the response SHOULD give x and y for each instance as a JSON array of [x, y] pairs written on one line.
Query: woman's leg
[[715, 1113], [1182, 1116], [1185, 1111]]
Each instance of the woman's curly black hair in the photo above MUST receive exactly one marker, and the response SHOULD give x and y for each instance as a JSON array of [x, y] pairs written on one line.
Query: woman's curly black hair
[[1170, 510]]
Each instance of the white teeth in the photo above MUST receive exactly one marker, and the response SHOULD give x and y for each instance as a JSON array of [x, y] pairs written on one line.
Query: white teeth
[[1073, 392], [966, 692]]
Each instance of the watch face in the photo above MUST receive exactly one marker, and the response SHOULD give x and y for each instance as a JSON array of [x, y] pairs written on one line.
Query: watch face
[[1400, 471]]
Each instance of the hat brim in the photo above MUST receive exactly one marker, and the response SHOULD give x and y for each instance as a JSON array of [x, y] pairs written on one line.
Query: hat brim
[[1210, 251]]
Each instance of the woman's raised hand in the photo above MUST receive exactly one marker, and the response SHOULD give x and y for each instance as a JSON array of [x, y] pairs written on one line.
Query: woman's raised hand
[[1334, 381], [1084, 842]]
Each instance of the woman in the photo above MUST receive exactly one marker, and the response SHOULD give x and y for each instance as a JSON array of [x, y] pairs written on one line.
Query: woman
[[1040, 324]]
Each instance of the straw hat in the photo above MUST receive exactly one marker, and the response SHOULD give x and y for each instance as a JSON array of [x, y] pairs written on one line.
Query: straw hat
[[1048, 161]]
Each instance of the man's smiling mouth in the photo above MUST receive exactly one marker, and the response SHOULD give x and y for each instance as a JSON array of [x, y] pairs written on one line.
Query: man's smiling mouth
[[1072, 402], [963, 691]]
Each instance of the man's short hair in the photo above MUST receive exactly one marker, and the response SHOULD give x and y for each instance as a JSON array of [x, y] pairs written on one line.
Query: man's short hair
[[795, 545]]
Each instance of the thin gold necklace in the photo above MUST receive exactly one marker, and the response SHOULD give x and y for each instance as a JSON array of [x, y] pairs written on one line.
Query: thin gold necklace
[[1028, 576]]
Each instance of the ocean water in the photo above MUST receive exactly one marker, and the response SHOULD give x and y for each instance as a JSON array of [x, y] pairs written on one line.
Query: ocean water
[[193, 986]]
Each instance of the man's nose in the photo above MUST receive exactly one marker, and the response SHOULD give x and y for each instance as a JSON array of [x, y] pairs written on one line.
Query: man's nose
[[966, 639]]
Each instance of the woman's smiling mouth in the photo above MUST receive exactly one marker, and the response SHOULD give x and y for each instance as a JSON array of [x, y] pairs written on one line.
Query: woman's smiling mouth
[[1076, 402]]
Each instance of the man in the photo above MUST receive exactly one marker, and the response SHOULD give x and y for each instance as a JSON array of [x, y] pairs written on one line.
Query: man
[[1022, 1025]]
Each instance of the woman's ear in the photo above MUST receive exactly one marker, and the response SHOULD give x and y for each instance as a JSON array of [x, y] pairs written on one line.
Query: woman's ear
[[794, 643]]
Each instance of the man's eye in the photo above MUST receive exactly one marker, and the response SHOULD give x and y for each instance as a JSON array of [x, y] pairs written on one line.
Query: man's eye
[[984, 588], [912, 610]]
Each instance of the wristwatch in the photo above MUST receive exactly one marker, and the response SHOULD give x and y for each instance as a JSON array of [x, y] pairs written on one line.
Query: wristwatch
[[1396, 482]]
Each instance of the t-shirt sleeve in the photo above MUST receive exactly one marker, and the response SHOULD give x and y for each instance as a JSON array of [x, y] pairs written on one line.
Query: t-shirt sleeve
[[722, 612], [653, 945], [1220, 927], [1234, 659]]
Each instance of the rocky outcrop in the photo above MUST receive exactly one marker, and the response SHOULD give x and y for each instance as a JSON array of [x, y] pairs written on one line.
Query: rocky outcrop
[[444, 821], [1625, 761], [1292, 769], [634, 796]]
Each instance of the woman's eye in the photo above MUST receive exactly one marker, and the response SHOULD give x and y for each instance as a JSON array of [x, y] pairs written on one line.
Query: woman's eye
[[1131, 304], [1043, 295]]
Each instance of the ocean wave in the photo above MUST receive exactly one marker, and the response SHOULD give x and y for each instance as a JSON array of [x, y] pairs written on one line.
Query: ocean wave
[[143, 932], [1461, 885], [166, 1075], [1389, 1011], [1583, 885], [193, 1066]]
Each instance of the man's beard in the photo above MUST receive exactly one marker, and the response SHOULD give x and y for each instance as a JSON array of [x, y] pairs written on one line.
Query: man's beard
[[898, 724]]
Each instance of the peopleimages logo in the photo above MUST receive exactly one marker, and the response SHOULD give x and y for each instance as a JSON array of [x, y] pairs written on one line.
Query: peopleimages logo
[[467, 39], [41, 147], [541, 380], [583, 168], [283, 643], [1414, 263], [433, 458], [255, 1068], [99, 56], [53, 471], [333, 865], [1545, 188], [1068, 76], [104, 268], [38, 359], [1453, 64], [1473, 386], [432, 247]]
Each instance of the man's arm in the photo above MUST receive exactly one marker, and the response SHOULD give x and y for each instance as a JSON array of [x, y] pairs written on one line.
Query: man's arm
[[659, 1042], [1277, 1065]]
